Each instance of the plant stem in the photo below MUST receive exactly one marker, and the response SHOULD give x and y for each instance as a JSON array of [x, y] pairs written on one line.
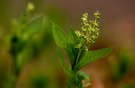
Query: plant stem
[[77, 59], [74, 81], [15, 72]]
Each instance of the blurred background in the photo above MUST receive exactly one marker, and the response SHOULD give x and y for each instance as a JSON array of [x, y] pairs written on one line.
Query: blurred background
[[43, 69]]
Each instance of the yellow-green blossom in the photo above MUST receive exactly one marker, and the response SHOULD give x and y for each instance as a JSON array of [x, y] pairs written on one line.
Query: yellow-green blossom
[[89, 29], [30, 7], [78, 33]]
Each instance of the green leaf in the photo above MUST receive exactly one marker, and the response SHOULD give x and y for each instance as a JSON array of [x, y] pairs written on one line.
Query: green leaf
[[33, 27], [73, 36], [90, 56], [85, 76], [62, 61], [70, 54], [71, 50], [60, 36]]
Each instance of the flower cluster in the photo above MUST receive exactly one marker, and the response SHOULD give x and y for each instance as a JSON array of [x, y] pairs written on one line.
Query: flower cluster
[[30, 7], [89, 30]]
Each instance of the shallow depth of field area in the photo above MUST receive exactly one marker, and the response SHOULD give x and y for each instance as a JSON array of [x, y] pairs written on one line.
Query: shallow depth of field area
[[30, 57]]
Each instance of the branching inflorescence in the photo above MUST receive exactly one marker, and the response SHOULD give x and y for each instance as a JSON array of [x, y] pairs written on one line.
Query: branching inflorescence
[[89, 30]]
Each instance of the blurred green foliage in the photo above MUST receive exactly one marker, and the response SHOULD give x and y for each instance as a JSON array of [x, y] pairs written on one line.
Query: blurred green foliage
[[121, 68], [29, 38]]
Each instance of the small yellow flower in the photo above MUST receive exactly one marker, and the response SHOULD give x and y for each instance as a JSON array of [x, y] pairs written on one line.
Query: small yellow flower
[[30, 7], [97, 14], [78, 33]]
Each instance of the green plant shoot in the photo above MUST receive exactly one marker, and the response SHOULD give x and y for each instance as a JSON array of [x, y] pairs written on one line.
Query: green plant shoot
[[23, 33], [76, 47]]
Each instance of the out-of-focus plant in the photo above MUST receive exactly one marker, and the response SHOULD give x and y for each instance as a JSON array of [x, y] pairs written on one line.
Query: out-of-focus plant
[[129, 86], [24, 33], [120, 68], [39, 80], [76, 47]]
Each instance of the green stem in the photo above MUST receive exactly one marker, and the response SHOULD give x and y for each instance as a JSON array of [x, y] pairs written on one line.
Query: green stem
[[15, 72], [77, 59], [74, 81]]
